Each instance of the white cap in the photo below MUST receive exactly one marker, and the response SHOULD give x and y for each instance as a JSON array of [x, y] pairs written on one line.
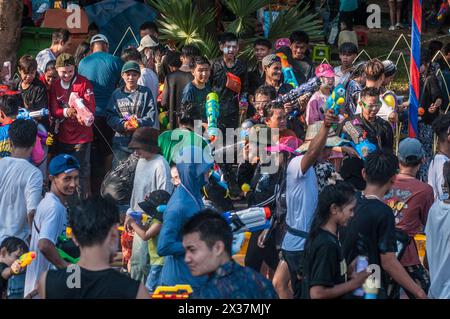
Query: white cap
[[99, 38], [147, 42]]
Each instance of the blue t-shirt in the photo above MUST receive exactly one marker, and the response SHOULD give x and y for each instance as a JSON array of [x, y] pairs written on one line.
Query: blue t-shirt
[[348, 5], [103, 71]]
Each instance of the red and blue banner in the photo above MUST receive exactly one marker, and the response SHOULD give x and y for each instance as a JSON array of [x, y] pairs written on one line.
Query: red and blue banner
[[414, 89]]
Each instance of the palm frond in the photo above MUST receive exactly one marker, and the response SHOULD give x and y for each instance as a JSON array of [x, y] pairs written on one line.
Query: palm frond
[[243, 10]]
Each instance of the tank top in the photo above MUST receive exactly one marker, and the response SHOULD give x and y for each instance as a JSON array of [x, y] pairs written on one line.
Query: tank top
[[102, 284]]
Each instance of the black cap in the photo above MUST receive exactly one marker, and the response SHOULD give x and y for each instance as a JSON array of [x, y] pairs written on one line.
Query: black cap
[[155, 199]]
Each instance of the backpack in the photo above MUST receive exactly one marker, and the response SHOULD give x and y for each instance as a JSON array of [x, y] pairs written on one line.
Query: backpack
[[118, 183]]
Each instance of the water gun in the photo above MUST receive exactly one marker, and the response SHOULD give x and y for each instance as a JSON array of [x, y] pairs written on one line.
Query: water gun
[[215, 176], [212, 114], [288, 73], [251, 219], [293, 114], [443, 10], [83, 112], [172, 292], [131, 120], [25, 114], [309, 87], [141, 218], [26, 259], [158, 214], [336, 99], [164, 119], [358, 141]]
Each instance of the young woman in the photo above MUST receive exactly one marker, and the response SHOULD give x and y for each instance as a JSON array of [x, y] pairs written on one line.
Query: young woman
[[325, 269]]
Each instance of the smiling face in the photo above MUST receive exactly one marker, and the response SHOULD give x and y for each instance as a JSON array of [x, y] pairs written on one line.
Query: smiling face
[[66, 73], [345, 213], [299, 50], [260, 102], [27, 77], [50, 76], [260, 52], [370, 106], [277, 120], [65, 183], [273, 72], [200, 259]]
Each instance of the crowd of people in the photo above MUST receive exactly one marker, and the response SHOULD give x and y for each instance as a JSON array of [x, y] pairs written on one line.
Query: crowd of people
[[130, 136]]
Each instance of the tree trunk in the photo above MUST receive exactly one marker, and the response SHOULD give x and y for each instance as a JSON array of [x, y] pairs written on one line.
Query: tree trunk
[[10, 24]]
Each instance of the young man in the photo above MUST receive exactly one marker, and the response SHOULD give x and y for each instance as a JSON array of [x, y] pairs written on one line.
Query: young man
[[193, 167], [20, 190], [152, 173], [371, 232], [410, 200], [60, 44], [175, 83], [149, 28], [301, 201], [272, 72], [33, 92], [347, 54], [73, 136], [94, 226], [301, 63], [207, 239], [441, 127], [261, 48], [368, 125], [131, 100], [229, 80], [315, 107], [197, 90], [103, 71], [263, 95], [51, 220], [437, 231], [9, 109]]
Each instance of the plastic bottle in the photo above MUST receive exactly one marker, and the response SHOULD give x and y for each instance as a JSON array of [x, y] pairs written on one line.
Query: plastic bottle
[[362, 262]]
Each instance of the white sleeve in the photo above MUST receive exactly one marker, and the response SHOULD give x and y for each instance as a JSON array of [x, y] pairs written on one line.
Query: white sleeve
[[33, 190], [162, 177], [52, 224], [295, 168]]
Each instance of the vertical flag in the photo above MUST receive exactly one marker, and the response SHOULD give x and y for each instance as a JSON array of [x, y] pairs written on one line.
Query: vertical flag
[[414, 88]]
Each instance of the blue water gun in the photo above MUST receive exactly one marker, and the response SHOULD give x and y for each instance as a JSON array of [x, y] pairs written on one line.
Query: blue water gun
[[336, 100], [25, 114], [288, 73], [252, 219], [364, 148], [212, 114]]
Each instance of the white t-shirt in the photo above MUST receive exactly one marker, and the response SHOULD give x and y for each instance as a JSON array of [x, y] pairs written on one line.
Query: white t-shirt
[[301, 199], [51, 220], [436, 176], [149, 79], [20, 193], [43, 57], [150, 175], [438, 250]]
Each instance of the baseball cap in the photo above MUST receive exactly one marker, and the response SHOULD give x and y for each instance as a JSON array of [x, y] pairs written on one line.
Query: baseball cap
[[147, 42], [145, 138], [155, 199], [99, 38], [282, 42], [131, 66], [325, 70], [64, 59], [63, 163], [410, 150], [270, 59]]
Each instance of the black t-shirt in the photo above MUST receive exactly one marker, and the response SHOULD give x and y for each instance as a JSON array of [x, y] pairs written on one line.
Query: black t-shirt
[[35, 96], [255, 80], [324, 263], [430, 93], [370, 232], [103, 284], [3, 282], [379, 132]]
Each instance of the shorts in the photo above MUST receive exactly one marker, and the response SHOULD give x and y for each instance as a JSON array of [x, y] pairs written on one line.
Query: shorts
[[154, 276]]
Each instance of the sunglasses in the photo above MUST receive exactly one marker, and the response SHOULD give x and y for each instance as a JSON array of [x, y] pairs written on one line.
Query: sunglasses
[[371, 106]]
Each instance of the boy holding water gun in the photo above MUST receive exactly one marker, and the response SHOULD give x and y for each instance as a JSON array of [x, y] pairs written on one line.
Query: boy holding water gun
[[10, 250]]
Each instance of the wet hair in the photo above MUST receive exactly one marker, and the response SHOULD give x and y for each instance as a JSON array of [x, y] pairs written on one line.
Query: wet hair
[[81, 52], [149, 26], [12, 244], [374, 70], [380, 166], [187, 114], [92, 219], [348, 48], [10, 104], [22, 133], [61, 35], [446, 173], [370, 91], [131, 54], [267, 90], [190, 51], [198, 60], [173, 59], [27, 64], [340, 194], [263, 42], [211, 228], [227, 37], [299, 36], [441, 127]]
